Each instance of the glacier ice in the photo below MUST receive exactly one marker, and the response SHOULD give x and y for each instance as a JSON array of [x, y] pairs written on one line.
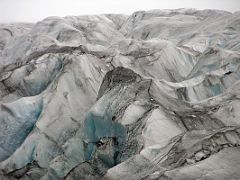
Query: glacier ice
[[153, 95]]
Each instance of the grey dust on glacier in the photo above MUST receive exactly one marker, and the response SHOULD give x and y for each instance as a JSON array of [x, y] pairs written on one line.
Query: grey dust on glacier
[[153, 95]]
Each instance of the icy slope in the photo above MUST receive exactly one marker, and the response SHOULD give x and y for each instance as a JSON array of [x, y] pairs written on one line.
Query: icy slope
[[151, 96]]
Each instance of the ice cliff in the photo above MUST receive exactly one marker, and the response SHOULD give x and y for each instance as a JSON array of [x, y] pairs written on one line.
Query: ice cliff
[[153, 95]]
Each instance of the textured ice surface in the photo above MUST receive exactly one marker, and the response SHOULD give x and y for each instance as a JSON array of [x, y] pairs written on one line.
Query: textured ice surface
[[153, 95], [17, 120]]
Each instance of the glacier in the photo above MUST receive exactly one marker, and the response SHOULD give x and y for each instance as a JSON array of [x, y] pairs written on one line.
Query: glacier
[[152, 95]]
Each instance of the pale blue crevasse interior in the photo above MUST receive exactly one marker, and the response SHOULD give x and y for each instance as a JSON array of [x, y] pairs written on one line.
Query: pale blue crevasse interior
[[101, 125], [16, 122]]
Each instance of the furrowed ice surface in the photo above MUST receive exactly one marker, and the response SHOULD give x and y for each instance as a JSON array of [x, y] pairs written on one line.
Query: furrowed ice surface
[[153, 95], [17, 121]]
